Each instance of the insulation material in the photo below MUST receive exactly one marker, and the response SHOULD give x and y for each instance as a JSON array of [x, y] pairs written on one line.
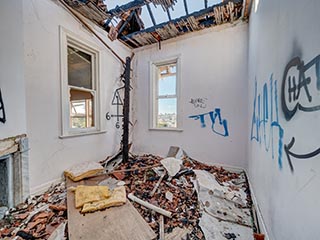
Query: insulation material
[[89, 194], [83, 170], [117, 198]]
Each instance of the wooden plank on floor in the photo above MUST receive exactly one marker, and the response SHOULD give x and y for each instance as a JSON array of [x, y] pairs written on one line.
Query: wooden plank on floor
[[117, 223]]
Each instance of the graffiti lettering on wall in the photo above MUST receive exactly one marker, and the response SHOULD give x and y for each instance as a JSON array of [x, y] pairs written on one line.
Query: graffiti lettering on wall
[[218, 125], [2, 111], [300, 91], [198, 102], [300, 87], [116, 101], [298, 156], [265, 126]]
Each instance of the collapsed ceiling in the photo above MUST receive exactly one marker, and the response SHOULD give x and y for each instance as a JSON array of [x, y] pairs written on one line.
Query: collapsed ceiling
[[126, 24]]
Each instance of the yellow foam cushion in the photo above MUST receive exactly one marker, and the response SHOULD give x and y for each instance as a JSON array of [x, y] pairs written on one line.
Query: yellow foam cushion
[[117, 198], [88, 194]]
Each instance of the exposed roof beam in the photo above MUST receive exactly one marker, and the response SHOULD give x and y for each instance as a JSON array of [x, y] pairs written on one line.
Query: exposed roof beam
[[126, 22], [195, 14], [186, 6], [168, 12], [151, 15], [128, 7]]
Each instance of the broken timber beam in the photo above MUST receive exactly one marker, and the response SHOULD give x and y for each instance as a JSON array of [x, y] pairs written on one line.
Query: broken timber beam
[[196, 15], [118, 10], [157, 185], [126, 111], [90, 29], [149, 205]]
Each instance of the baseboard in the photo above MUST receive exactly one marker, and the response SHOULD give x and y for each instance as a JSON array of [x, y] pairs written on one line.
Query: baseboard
[[262, 225], [43, 187]]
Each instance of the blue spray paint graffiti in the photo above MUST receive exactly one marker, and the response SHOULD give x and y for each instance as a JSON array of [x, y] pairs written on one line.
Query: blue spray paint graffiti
[[214, 115], [265, 120]]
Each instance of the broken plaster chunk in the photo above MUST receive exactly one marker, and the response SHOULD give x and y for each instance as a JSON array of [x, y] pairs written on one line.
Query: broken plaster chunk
[[121, 183], [109, 182], [169, 196], [178, 234], [117, 198], [3, 211], [83, 170], [88, 194], [172, 165], [58, 233]]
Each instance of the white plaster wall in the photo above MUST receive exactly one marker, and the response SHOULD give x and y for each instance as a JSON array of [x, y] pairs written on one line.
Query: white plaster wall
[[11, 68], [213, 66], [50, 155], [280, 30]]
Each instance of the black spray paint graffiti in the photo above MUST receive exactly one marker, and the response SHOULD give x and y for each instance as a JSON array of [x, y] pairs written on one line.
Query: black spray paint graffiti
[[198, 102], [265, 126], [298, 156], [292, 85], [214, 116], [2, 111], [299, 91], [116, 101]]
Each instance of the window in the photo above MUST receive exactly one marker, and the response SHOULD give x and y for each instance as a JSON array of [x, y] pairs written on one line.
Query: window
[[80, 81], [165, 95]]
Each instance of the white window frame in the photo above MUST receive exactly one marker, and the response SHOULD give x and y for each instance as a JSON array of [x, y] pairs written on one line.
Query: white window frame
[[67, 38], [154, 96]]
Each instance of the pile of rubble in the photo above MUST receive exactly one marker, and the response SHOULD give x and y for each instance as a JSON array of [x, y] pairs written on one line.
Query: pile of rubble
[[40, 217], [195, 201], [177, 193]]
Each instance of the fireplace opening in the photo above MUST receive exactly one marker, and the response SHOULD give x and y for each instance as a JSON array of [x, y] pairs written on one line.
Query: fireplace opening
[[14, 171], [6, 181]]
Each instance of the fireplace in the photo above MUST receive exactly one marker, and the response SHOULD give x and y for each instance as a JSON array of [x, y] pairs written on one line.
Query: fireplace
[[14, 170]]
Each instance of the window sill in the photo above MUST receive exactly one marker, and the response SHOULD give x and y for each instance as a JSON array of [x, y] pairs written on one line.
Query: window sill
[[81, 134], [166, 129]]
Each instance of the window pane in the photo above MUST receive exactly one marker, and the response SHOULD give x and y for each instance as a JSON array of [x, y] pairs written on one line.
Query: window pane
[[167, 113], [81, 109], [167, 79], [79, 68]]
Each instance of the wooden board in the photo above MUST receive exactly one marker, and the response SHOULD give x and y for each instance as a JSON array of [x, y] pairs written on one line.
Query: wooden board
[[117, 223]]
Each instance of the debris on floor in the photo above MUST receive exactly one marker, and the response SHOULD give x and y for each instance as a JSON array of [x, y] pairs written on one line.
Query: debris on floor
[[116, 223], [172, 165], [38, 218], [83, 170], [169, 198], [117, 198], [89, 194], [179, 195]]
